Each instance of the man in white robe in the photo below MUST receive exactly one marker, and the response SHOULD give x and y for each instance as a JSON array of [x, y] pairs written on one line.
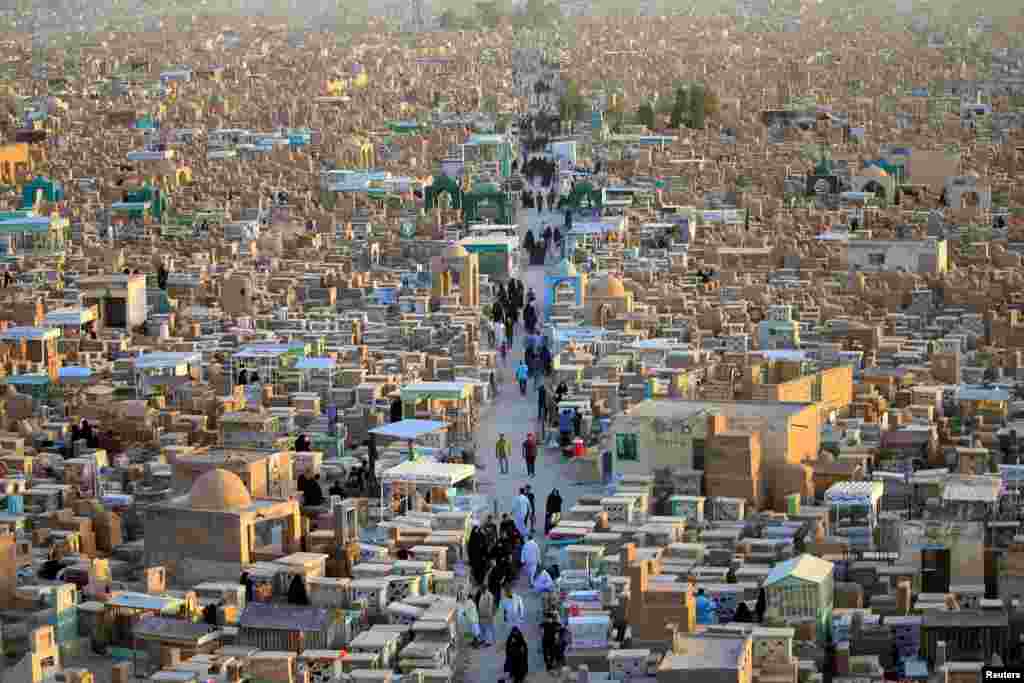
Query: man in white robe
[[530, 558], [520, 511]]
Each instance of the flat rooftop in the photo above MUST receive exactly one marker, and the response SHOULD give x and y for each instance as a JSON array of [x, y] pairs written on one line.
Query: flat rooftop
[[687, 409]]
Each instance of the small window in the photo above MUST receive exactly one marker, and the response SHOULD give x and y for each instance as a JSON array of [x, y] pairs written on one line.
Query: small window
[[876, 259]]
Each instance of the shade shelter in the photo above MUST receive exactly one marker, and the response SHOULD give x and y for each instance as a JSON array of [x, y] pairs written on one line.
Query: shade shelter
[[427, 473], [125, 610], [272, 364], [38, 386], [40, 343], [162, 372], [316, 375], [410, 430], [415, 474], [73, 379], [73, 321]]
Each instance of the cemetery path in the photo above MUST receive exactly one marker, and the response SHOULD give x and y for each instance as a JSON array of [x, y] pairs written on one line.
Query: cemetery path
[[516, 416]]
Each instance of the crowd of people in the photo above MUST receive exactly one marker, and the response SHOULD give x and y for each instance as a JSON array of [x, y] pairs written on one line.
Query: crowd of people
[[540, 169], [509, 303], [504, 552], [538, 248], [499, 554]]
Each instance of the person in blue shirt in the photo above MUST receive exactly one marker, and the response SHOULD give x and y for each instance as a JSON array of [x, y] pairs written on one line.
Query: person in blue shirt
[[522, 374], [705, 608], [565, 426]]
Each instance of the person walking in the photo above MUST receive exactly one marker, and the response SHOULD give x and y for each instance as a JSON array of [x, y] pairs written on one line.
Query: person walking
[[512, 610], [521, 512], [565, 427], [529, 318], [476, 550], [530, 454], [530, 558], [498, 307], [532, 516], [512, 315], [542, 403], [502, 450], [485, 613], [550, 628], [517, 656], [552, 510], [538, 365], [468, 620], [494, 579], [522, 375]]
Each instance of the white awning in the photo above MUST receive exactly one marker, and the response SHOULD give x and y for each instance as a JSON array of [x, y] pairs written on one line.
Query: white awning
[[315, 364], [409, 430], [428, 474]]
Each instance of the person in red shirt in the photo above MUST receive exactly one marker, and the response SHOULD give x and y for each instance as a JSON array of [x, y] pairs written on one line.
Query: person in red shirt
[[530, 454]]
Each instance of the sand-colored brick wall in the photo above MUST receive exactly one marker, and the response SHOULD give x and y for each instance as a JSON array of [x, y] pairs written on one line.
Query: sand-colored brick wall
[[836, 388], [798, 390], [804, 435]]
